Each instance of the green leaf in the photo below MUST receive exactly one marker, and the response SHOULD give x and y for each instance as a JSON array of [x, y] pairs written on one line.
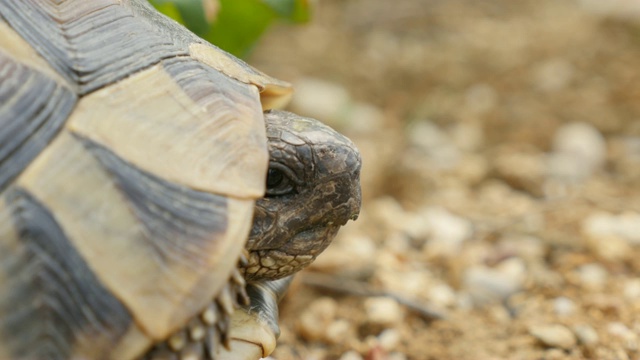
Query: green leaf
[[168, 8], [187, 12], [239, 25], [235, 25], [293, 10]]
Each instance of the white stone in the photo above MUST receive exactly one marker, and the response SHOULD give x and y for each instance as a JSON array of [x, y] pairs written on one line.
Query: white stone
[[338, 331], [408, 283], [389, 339], [513, 268], [383, 310], [426, 135], [629, 227], [346, 253], [621, 330], [486, 284], [565, 168], [442, 295], [600, 224], [315, 320], [563, 306], [436, 143], [632, 289], [604, 224], [581, 139], [593, 276], [578, 150], [351, 355], [415, 227], [447, 231], [555, 335], [586, 334]]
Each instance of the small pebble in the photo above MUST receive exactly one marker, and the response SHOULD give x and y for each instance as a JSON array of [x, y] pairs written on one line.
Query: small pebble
[[346, 253], [338, 331], [415, 227], [610, 248], [629, 227], [628, 336], [315, 320], [383, 310], [442, 295], [632, 289], [621, 330], [554, 354], [448, 231], [556, 335], [592, 276], [427, 136], [486, 284], [563, 306], [604, 224], [520, 169], [600, 224], [396, 356], [351, 355], [586, 334], [411, 283], [435, 143], [389, 339], [578, 150]]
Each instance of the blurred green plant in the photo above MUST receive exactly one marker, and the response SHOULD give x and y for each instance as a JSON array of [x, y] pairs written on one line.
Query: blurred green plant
[[233, 25]]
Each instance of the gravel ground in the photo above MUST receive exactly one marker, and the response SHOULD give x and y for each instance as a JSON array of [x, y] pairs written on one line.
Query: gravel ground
[[501, 179]]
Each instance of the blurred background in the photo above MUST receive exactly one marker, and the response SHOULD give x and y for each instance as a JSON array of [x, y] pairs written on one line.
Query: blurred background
[[501, 178]]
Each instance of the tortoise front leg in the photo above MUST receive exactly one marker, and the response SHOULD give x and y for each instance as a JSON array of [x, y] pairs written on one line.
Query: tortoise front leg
[[254, 328]]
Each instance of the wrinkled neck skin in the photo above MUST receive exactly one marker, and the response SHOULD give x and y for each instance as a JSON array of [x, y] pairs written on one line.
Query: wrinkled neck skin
[[312, 190]]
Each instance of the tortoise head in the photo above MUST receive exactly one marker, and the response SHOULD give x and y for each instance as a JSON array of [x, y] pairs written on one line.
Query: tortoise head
[[313, 188]]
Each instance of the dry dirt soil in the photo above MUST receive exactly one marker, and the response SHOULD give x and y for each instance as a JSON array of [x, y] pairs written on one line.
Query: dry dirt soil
[[501, 179]]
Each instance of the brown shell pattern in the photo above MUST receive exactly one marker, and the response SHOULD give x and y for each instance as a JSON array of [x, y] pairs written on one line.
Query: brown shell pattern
[[131, 155]]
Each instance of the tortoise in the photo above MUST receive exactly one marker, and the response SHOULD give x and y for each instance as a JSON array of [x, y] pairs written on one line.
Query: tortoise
[[145, 177]]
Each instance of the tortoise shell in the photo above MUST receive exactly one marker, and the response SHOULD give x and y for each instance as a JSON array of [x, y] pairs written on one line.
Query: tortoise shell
[[131, 155]]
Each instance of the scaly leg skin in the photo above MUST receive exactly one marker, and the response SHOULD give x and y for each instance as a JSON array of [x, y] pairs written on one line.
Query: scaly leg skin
[[254, 328]]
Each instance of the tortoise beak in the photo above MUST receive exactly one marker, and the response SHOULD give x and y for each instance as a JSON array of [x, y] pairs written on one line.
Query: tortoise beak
[[355, 202], [356, 196]]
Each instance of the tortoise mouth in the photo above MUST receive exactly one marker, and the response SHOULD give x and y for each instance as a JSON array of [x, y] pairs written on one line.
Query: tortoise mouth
[[298, 252]]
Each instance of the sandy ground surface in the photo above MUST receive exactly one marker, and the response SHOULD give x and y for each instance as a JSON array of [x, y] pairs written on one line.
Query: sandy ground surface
[[501, 179]]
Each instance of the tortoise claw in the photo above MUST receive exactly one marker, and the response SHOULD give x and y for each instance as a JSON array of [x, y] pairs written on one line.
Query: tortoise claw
[[254, 328]]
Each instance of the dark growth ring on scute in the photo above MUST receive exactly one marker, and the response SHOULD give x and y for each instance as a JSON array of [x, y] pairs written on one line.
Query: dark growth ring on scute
[[133, 158]]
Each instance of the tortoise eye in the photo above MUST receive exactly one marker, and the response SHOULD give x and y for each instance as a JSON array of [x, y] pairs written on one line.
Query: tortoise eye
[[274, 178], [278, 182]]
